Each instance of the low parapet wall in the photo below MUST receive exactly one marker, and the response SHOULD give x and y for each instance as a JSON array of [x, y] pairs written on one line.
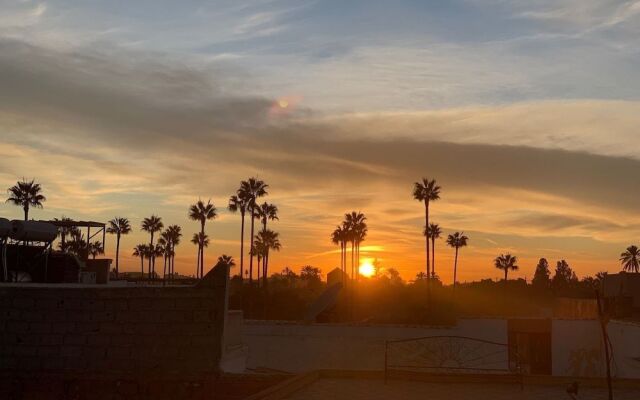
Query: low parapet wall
[[110, 339]]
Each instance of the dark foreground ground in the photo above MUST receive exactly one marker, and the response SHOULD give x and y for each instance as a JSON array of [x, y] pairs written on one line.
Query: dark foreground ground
[[372, 389]]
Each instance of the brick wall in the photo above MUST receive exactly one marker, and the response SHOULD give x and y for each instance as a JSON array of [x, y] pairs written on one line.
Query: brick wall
[[123, 342]]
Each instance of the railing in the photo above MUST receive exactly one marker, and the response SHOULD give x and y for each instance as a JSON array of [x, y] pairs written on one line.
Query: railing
[[451, 355]]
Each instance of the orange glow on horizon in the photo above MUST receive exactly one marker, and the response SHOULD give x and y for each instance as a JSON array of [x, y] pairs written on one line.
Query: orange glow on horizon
[[367, 268]]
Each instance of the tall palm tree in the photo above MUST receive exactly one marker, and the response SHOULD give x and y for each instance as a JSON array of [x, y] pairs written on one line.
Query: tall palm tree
[[174, 233], [251, 190], [456, 240], [202, 241], [354, 223], [26, 194], [270, 241], [239, 204], [96, 248], [506, 262], [340, 237], [426, 192], [433, 232], [202, 212], [118, 226], [152, 225], [630, 259], [140, 251]]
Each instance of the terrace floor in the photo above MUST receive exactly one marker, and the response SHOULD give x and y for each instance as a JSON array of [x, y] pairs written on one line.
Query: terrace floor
[[373, 389]]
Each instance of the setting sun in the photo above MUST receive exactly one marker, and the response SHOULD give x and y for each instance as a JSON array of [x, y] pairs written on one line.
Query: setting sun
[[283, 103], [367, 269]]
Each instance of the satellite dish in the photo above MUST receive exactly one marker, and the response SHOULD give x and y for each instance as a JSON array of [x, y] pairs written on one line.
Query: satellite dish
[[327, 299]]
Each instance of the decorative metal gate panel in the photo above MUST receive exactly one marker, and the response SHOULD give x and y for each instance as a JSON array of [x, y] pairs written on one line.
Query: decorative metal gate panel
[[450, 355]]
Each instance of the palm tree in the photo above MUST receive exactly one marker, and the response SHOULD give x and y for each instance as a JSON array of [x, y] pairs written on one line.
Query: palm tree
[[426, 191], [456, 240], [227, 260], [64, 231], [270, 241], [629, 259], [118, 226], [152, 225], [202, 241], [174, 233], [95, 249], [506, 262], [340, 236], [202, 212], [26, 194], [433, 232], [354, 223], [140, 251], [251, 190], [237, 203], [266, 212], [259, 251]]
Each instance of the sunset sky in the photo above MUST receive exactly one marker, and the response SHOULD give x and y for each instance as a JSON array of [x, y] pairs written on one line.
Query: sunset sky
[[526, 112]]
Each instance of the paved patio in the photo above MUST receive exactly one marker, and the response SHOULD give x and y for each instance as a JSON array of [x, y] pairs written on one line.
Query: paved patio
[[369, 389]]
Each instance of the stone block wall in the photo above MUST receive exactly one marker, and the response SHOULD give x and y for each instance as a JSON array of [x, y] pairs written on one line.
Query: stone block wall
[[127, 342]]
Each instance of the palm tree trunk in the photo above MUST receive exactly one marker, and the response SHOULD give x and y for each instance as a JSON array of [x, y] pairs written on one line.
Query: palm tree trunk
[[251, 249], [141, 267], [433, 257], [242, 247], [164, 269], [150, 253], [117, 253], [506, 271], [26, 212], [426, 237], [455, 270], [202, 251]]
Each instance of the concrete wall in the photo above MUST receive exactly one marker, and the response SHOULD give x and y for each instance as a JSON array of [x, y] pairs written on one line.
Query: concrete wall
[[294, 347], [70, 335], [576, 348], [625, 340]]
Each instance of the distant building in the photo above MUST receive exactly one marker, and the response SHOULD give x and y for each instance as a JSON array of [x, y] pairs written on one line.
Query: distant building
[[622, 292]]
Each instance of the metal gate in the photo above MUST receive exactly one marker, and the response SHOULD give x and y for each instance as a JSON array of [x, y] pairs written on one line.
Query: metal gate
[[451, 355]]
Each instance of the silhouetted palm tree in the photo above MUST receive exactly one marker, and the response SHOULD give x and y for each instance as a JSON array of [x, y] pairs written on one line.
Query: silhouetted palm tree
[[270, 241], [140, 251], [202, 212], [340, 236], [26, 194], [354, 223], [96, 248], [239, 204], [64, 231], [426, 192], [433, 233], [227, 260], [152, 225], [630, 259], [251, 190], [118, 226], [456, 240], [174, 233], [506, 262], [266, 212], [202, 241]]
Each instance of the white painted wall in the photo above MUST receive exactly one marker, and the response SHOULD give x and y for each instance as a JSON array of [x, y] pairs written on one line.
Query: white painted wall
[[576, 348], [625, 340], [295, 347]]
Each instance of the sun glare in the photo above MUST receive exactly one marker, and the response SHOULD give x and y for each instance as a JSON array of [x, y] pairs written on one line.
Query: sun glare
[[283, 103], [367, 269]]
